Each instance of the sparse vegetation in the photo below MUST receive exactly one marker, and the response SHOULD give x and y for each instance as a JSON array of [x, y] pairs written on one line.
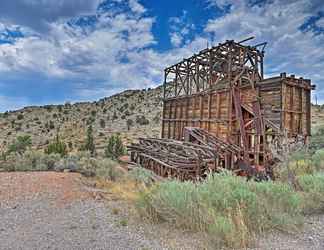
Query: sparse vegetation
[[107, 169], [141, 120], [57, 147], [30, 161], [141, 175], [102, 123], [227, 207], [89, 145], [129, 124], [21, 144], [115, 147]]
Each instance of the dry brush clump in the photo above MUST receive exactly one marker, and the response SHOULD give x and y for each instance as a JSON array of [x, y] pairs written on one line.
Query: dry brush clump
[[230, 209]]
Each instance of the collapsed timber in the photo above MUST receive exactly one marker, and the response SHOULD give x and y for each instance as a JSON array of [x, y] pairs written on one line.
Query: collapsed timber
[[219, 112], [185, 160]]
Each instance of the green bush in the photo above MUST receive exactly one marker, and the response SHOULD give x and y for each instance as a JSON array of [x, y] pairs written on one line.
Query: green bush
[[129, 123], [141, 175], [31, 161], [89, 144], [313, 188], [21, 144], [115, 147], [102, 123], [318, 159], [317, 139], [57, 147], [141, 120], [227, 207], [107, 170]]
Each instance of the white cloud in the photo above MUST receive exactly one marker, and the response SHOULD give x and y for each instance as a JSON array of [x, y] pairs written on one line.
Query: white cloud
[[180, 27], [277, 22], [320, 22], [176, 39], [117, 52], [68, 52], [136, 7]]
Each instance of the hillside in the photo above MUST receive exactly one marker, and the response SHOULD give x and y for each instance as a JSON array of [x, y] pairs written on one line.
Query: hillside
[[108, 115], [317, 117]]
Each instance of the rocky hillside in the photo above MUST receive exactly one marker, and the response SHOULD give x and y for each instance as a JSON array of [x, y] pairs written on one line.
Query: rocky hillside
[[133, 113], [317, 117]]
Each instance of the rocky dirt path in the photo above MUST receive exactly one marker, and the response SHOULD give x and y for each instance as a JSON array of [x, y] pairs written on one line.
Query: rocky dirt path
[[311, 237], [56, 211], [53, 211], [44, 210]]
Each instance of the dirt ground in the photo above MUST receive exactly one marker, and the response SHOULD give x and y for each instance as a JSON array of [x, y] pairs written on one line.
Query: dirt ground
[[47, 210]]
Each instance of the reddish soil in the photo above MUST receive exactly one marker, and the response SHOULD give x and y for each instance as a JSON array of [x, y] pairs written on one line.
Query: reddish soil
[[62, 188]]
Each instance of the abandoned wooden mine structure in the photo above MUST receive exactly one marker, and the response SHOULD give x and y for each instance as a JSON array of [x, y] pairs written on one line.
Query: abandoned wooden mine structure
[[220, 112]]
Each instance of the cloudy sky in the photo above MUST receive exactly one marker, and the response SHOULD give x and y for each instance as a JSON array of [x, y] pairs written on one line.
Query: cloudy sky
[[53, 51]]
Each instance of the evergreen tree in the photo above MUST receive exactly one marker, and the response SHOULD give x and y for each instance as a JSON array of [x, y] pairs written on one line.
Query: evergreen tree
[[115, 147], [89, 145], [57, 147]]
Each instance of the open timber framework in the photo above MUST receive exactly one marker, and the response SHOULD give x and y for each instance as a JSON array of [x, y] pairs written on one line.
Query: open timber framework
[[220, 112]]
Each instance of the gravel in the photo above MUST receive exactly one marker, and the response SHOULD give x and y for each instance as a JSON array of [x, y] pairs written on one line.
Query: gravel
[[311, 237], [55, 211], [89, 224]]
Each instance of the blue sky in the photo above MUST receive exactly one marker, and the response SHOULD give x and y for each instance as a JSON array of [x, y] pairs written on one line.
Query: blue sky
[[54, 51]]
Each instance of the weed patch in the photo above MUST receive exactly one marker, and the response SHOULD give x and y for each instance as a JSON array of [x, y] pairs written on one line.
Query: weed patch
[[230, 209]]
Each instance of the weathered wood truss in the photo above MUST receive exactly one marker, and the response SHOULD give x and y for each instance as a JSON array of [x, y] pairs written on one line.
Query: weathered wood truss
[[219, 97]]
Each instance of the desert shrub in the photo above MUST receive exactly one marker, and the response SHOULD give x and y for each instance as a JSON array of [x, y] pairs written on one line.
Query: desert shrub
[[57, 147], [141, 120], [102, 123], [51, 125], [157, 117], [129, 124], [115, 117], [298, 164], [227, 207], [107, 170], [318, 159], [132, 107], [31, 161], [89, 144], [115, 147], [317, 140], [20, 145], [141, 175], [313, 188], [20, 116], [50, 160]]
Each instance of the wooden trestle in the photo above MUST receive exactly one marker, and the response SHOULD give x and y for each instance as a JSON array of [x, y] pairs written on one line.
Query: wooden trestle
[[219, 112]]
